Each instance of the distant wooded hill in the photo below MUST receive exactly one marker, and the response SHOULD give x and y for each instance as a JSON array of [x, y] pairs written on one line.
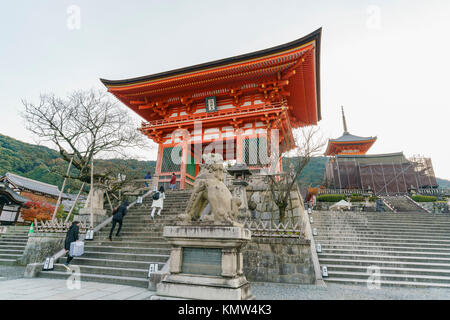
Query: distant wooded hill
[[39, 162]]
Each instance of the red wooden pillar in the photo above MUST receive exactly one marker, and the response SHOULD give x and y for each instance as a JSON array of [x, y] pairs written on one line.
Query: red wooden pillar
[[159, 160], [183, 163], [239, 149]]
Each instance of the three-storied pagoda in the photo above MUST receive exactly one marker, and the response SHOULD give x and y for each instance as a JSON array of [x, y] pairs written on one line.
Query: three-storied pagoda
[[230, 102], [348, 143]]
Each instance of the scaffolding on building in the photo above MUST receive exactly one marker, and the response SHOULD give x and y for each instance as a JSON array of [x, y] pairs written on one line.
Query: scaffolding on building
[[382, 174]]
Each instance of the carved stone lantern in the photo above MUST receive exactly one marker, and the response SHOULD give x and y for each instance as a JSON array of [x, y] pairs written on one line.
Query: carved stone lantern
[[240, 173]]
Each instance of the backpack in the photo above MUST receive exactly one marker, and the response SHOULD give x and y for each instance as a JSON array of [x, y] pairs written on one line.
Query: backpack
[[156, 195]]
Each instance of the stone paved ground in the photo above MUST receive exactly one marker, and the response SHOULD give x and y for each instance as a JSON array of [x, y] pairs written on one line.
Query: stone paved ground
[[274, 291], [11, 272], [51, 289], [14, 286]]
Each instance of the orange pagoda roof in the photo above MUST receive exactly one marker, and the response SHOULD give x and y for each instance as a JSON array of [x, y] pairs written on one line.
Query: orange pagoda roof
[[289, 71], [349, 144]]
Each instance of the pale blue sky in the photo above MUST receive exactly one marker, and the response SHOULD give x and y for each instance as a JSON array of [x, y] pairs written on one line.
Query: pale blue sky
[[387, 62]]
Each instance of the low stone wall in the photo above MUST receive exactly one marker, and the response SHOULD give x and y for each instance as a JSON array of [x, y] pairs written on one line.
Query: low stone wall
[[267, 210], [41, 246], [284, 260], [436, 207]]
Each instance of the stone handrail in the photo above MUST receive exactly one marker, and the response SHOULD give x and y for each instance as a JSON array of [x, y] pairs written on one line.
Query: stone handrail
[[315, 258], [417, 204], [390, 206]]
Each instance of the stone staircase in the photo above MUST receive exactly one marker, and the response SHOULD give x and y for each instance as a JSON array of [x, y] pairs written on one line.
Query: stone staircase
[[12, 244], [403, 204], [126, 259], [410, 249]]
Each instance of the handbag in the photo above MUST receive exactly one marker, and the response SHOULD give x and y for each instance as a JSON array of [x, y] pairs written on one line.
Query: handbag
[[76, 249], [156, 195]]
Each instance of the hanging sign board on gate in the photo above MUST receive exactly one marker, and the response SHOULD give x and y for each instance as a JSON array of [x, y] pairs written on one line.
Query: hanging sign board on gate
[[211, 104]]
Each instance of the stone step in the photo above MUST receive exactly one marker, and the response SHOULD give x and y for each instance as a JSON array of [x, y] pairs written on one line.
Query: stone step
[[130, 255], [139, 250], [381, 214], [17, 247], [130, 281], [111, 271], [126, 233], [155, 230], [118, 243], [136, 224], [10, 251], [382, 224], [344, 236], [9, 244], [383, 263], [166, 207], [392, 270], [334, 221], [385, 283], [359, 245], [399, 240], [389, 217], [390, 233], [10, 255], [126, 238], [7, 262], [12, 241], [126, 256], [380, 251], [7, 236], [406, 223], [20, 233], [381, 257], [392, 277], [111, 263]]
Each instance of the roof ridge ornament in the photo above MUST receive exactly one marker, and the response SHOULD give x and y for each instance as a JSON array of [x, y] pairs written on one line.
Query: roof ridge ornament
[[343, 120]]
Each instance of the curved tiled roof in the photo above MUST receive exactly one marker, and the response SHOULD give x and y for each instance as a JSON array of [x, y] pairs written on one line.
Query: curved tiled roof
[[316, 35], [347, 137], [7, 196], [33, 185]]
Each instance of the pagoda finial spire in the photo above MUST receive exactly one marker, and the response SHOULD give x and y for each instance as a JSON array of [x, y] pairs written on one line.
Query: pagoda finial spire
[[343, 120]]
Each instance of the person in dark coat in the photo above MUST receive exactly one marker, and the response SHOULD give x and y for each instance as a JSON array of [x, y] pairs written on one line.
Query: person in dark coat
[[118, 215], [147, 176], [71, 236]]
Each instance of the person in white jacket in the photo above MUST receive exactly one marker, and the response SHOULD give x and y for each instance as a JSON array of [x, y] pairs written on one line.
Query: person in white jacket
[[158, 204]]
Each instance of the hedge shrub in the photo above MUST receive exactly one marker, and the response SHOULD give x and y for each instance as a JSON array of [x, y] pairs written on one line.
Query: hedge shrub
[[373, 198], [420, 198], [331, 197], [356, 198]]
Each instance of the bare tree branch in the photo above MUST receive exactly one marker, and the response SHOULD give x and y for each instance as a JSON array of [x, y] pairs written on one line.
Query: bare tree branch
[[309, 143], [85, 124]]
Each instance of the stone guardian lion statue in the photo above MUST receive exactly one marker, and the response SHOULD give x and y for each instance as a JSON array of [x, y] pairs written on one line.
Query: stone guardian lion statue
[[210, 188]]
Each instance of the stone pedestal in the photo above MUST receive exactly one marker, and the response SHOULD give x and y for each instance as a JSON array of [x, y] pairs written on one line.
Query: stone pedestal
[[96, 195], [206, 262]]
